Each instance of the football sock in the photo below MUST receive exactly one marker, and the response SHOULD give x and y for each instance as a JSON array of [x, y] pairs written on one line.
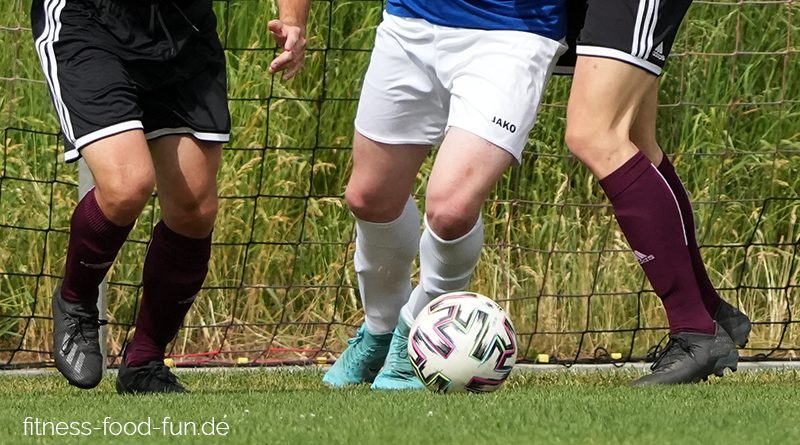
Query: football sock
[[94, 242], [444, 266], [383, 258], [174, 270], [711, 298], [650, 218]]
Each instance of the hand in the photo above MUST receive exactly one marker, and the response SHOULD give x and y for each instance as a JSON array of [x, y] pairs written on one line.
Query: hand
[[292, 39]]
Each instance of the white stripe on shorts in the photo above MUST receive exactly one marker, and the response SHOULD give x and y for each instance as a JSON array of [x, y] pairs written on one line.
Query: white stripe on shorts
[[622, 56], [47, 57], [106, 132], [203, 136]]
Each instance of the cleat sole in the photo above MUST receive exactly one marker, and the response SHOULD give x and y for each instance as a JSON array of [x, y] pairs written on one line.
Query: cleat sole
[[731, 362]]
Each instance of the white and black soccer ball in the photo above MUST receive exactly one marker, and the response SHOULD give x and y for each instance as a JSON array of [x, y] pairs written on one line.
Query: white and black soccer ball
[[462, 341]]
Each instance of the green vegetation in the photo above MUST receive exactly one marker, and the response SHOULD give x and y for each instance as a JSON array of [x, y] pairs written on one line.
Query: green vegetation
[[731, 107], [542, 408]]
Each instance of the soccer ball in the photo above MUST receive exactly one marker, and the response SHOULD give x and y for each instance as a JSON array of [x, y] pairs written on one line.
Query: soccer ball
[[462, 341]]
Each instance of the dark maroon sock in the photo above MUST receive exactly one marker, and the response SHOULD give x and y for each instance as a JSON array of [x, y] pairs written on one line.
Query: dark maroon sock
[[711, 298], [174, 271], [94, 242], [650, 218]]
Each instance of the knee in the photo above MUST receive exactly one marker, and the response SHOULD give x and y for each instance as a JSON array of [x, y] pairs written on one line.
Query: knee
[[592, 145], [583, 140], [372, 205], [450, 218], [193, 217], [124, 197]]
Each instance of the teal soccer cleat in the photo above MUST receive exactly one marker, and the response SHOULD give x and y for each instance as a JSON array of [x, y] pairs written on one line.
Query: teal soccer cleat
[[361, 361], [397, 373]]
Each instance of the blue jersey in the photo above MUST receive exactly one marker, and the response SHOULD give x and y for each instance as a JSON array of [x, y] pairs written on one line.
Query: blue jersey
[[544, 17]]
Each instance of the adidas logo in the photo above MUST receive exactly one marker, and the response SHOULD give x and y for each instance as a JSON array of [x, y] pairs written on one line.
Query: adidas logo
[[658, 53], [69, 356], [642, 258]]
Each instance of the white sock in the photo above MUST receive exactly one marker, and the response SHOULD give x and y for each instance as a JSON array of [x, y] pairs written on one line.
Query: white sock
[[444, 266], [383, 258]]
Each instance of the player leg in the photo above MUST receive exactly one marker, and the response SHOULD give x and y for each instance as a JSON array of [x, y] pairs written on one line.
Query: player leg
[[609, 88], [400, 114], [100, 120], [495, 98], [643, 135], [186, 121], [124, 180], [177, 258], [466, 168], [387, 237]]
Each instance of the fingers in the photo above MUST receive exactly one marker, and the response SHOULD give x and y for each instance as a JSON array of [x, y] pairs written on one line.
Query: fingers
[[294, 45], [281, 62], [288, 61], [276, 27], [293, 70]]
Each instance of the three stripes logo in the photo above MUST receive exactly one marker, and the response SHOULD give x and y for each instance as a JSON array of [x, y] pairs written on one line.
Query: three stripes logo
[[69, 356], [642, 258], [644, 31]]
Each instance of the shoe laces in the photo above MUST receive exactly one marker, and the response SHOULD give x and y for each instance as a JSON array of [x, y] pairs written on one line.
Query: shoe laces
[[160, 372], [676, 347], [360, 350], [81, 326]]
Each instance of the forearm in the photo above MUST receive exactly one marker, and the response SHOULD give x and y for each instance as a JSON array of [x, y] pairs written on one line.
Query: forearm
[[294, 12]]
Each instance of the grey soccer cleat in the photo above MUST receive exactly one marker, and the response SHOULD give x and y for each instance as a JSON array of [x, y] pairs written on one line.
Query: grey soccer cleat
[[690, 357], [735, 322], [153, 378], [76, 346]]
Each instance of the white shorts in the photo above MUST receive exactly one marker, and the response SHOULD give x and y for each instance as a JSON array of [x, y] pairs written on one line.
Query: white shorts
[[423, 78]]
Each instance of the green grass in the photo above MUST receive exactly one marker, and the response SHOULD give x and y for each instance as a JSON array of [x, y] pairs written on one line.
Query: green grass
[[730, 118], [533, 407]]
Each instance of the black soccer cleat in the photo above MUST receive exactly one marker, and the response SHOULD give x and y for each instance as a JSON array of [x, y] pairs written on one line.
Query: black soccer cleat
[[690, 357], [76, 345], [152, 378], [735, 322]]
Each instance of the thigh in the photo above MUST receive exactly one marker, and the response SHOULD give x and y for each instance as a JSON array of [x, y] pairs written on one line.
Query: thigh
[[604, 100], [383, 177], [606, 94], [497, 80], [466, 169], [186, 172], [401, 100], [637, 32]]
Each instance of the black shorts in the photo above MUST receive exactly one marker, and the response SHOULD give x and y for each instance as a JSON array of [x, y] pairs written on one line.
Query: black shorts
[[119, 65], [638, 32]]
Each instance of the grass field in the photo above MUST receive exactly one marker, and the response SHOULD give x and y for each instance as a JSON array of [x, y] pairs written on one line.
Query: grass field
[[273, 407]]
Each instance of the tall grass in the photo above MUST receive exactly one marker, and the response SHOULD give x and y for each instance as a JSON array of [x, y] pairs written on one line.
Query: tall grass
[[281, 277]]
